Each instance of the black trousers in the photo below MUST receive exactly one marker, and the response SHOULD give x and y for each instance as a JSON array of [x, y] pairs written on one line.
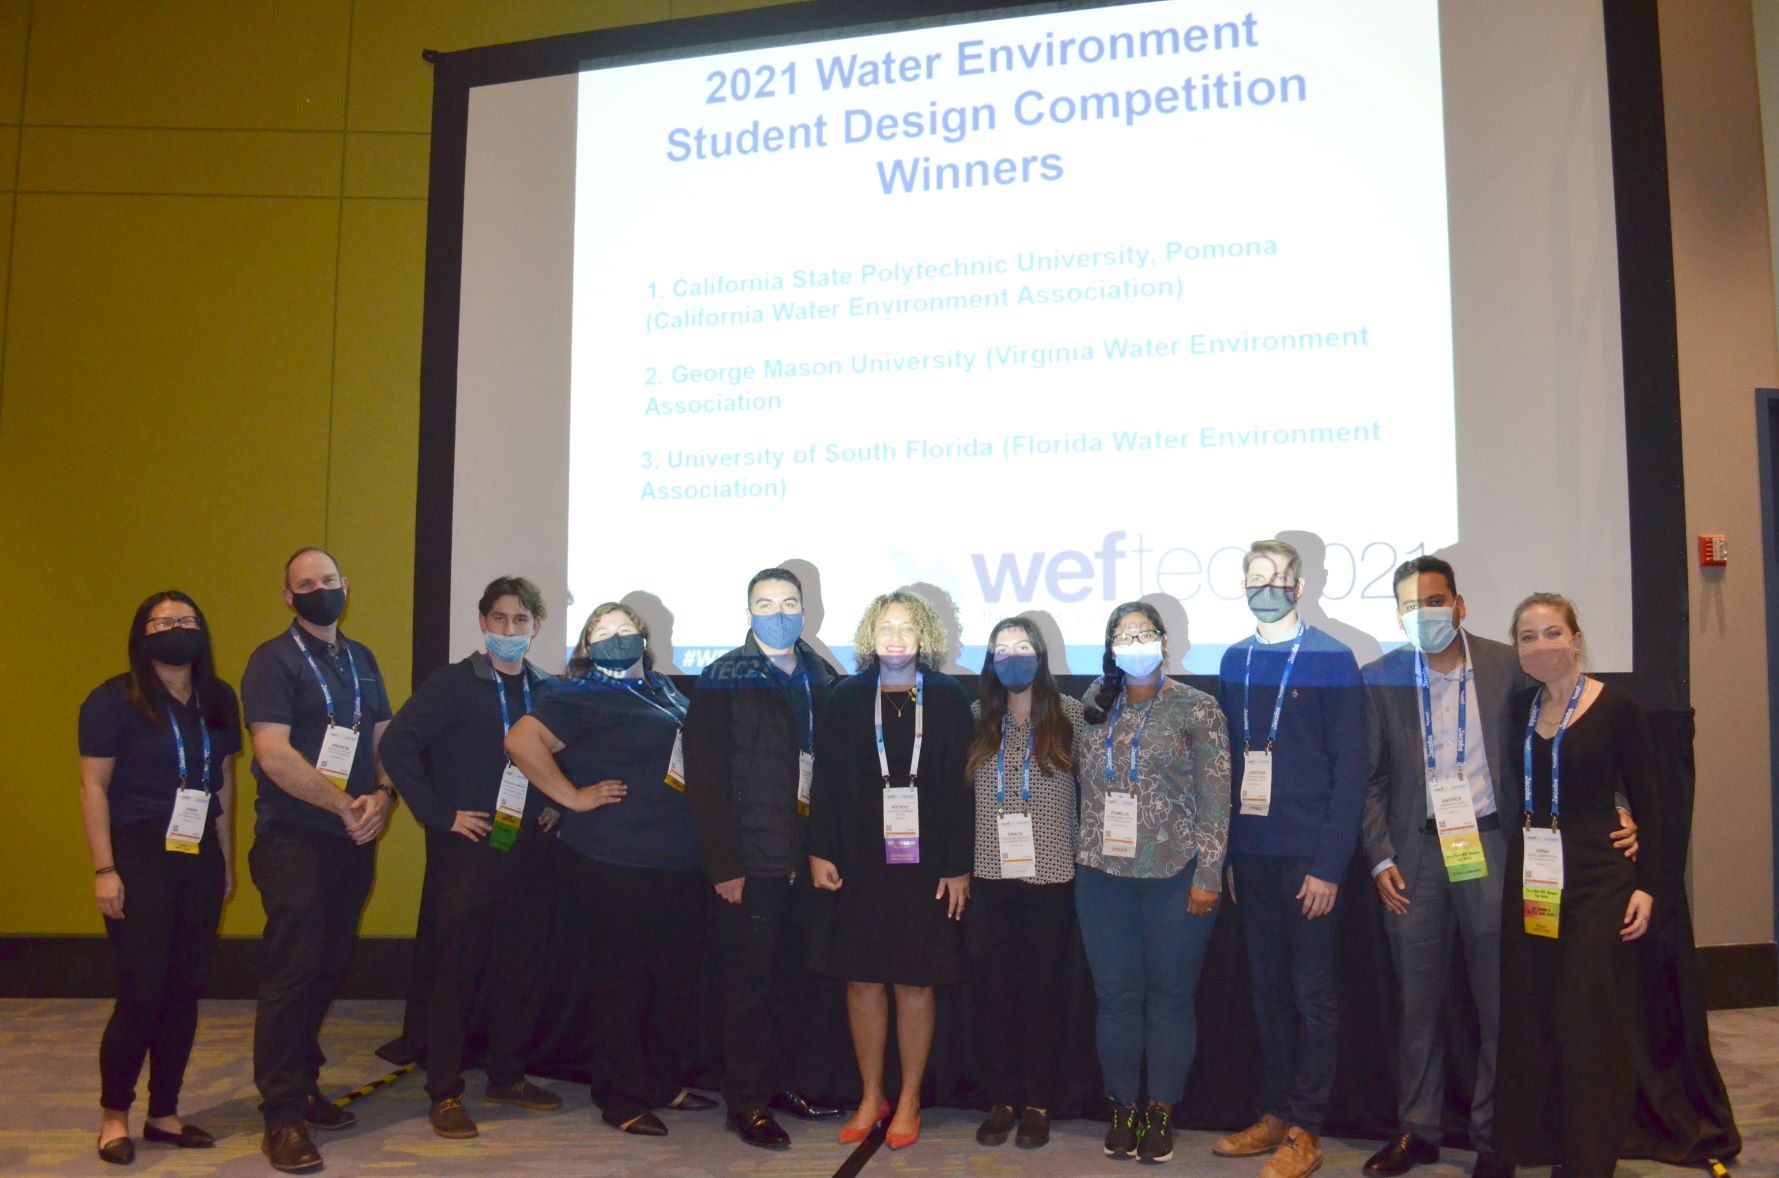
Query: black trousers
[[162, 949], [486, 913], [765, 987], [1019, 936], [313, 886], [644, 926]]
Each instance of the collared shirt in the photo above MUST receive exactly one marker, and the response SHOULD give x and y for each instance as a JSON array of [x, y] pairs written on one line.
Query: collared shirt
[[1443, 687]]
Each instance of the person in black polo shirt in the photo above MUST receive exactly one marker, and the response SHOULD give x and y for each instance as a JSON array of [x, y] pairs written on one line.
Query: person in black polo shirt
[[316, 707], [749, 751], [485, 908], [157, 788]]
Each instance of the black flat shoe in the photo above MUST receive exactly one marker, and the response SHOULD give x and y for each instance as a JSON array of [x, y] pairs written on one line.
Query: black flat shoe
[[325, 1114], [643, 1125], [119, 1151], [758, 1128], [691, 1102], [190, 1137], [994, 1130], [1034, 1130], [801, 1107]]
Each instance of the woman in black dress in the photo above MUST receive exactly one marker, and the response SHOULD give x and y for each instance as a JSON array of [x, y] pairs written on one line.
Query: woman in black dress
[[1567, 1080], [890, 749]]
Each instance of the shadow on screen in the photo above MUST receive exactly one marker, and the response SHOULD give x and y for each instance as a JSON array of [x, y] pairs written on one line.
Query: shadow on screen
[[1314, 551], [950, 620], [814, 612], [1045, 624], [654, 611], [1173, 616]]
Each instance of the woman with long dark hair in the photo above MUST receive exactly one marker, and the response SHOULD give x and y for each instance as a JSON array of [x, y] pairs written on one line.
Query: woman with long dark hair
[[889, 835], [157, 792], [634, 874], [1022, 912], [1153, 758]]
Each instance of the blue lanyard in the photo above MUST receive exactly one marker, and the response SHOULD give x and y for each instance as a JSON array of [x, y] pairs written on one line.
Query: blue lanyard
[[920, 691], [326, 695], [1025, 769], [676, 713], [1136, 738], [179, 743], [1556, 751], [500, 690], [808, 700], [1427, 711], [1278, 705]]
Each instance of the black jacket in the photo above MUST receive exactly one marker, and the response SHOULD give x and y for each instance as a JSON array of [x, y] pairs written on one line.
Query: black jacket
[[742, 738]]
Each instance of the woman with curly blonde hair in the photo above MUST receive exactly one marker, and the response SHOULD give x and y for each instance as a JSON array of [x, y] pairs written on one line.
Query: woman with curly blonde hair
[[890, 840]]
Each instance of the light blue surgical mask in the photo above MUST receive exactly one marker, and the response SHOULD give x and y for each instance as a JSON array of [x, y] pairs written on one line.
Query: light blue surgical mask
[[1139, 659], [1429, 628], [508, 648], [779, 631]]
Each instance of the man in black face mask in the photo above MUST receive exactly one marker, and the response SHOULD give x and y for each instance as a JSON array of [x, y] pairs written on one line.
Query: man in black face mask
[[316, 706]]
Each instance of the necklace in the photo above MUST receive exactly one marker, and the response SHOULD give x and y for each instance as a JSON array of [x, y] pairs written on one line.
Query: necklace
[[898, 699]]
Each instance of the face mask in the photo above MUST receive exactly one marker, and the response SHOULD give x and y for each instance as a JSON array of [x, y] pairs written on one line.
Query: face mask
[[508, 648], [779, 631], [1269, 603], [177, 647], [1429, 629], [1138, 661], [320, 607], [1547, 662], [1016, 671], [617, 653]]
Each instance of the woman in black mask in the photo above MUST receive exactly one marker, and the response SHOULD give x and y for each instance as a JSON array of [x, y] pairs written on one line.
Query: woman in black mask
[[613, 723], [157, 790]]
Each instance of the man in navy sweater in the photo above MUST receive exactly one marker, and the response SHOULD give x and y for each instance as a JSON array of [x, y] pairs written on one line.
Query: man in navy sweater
[[1296, 712]]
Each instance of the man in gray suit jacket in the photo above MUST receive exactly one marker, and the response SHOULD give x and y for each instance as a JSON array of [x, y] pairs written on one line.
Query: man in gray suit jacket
[[1427, 901]]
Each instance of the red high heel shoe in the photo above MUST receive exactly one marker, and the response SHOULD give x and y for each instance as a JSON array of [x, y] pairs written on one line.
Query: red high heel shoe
[[903, 1140], [852, 1136]]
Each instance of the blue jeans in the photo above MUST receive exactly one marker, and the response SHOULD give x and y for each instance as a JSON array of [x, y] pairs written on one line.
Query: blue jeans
[[1145, 951], [1296, 1000]]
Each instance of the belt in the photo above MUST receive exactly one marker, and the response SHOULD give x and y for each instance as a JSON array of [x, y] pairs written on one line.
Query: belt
[[1486, 822]]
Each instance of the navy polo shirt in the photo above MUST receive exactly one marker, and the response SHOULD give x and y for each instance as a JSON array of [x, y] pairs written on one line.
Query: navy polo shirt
[[612, 732], [279, 687], [146, 774]]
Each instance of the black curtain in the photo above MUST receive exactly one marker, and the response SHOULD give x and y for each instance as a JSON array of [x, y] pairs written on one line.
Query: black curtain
[[1683, 1112]]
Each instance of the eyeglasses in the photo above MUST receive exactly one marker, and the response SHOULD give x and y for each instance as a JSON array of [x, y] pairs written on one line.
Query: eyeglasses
[[1141, 636], [161, 625]]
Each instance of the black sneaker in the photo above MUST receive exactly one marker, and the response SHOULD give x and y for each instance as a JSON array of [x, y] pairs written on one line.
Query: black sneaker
[[1121, 1139], [1155, 1139]]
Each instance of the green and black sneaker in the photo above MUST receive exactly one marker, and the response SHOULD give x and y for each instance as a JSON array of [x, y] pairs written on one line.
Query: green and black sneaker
[[1121, 1139], [1155, 1140]]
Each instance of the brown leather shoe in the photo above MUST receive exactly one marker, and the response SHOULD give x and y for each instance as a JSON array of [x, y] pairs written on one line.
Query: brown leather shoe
[[1298, 1155], [1263, 1136], [289, 1149], [449, 1120]]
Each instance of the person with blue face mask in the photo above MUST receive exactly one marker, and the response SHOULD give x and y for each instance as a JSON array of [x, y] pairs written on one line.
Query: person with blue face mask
[[749, 761], [631, 876], [485, 905], [1021, 920], [1432, 832], [1296, 715], [1152, 757]]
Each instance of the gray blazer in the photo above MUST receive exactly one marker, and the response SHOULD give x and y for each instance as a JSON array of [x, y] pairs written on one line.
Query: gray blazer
[[1396, 796]]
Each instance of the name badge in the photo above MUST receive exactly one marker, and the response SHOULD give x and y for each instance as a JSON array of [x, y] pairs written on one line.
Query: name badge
[[1460, 842], [1119, 839], [676, 763], [1018, 853], [509, 808], [901, 825], [1541, 882], [805, 778], [1257, 783], [186, 828], [339, 748]]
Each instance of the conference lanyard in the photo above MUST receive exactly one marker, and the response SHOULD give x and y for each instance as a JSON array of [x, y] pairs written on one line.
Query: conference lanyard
[[500, 691], [1025, 769], [1136, 738], [809, 705], [1421, 678], [1556, 751], [179, 742], [326, 695], [920, 684], [1278, 705]]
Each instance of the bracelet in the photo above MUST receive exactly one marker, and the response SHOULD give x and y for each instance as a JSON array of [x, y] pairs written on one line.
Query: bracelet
[[385, 787], [105, 871]]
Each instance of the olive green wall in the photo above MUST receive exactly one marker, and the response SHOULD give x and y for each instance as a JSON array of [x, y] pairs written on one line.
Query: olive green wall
[[212, 231]]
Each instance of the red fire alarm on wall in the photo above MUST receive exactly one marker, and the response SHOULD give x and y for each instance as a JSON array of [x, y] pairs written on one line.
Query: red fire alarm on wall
[[1714, 551]]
